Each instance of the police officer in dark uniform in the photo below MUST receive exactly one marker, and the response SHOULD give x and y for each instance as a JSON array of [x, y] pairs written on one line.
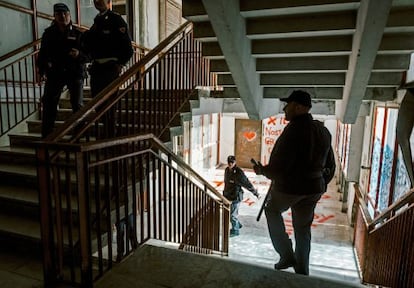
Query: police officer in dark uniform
[[61, 62], [109, 45], [234, 180]]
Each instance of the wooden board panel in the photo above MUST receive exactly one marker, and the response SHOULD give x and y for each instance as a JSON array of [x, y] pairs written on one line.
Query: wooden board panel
[[248, 139]]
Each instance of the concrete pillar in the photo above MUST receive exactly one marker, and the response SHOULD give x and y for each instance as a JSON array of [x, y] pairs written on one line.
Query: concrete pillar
[[354, 158]]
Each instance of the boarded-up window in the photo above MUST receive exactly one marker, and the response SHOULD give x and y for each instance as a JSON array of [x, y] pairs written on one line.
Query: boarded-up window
[[170, 17], [248, 141]]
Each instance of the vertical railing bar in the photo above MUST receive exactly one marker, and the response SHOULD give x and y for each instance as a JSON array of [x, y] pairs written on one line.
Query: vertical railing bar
[[107, 199], [59, 219], [180, 200], [116, 174], [82, 174], [21, 92], [148, 195], [177, 77], [98, 213], [170, 84], [46, 221], [6, 86], [134, 195], [166, 194], [170, 200], [14, 95], [141, 196], [124, 201], [161, 179], [27, 86], [157, 98], [69, 212], [175, 204]]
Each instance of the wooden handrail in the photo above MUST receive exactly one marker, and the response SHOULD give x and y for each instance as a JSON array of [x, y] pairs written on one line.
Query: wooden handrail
[[407, 199], [108, 92], [362, 205], [101, 144]]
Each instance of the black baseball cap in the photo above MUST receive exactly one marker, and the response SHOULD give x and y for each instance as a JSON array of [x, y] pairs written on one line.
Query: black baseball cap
[[299, 96], [231, 159], [60, 7]]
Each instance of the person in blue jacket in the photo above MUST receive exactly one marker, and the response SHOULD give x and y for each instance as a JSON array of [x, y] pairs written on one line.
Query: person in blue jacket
[[234, 180]]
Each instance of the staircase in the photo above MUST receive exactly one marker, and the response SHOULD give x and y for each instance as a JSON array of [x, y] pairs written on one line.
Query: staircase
[[19, 199], [146, 105]]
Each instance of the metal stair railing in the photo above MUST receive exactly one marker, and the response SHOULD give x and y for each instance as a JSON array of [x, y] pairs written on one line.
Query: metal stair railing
[[20, 85], [384, 245], [147, 98], [21, 88], [134, 181]]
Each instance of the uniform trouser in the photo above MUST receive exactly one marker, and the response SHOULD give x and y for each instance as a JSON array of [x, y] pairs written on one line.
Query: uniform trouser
[[53, 90], [101, 76], [302, 207], [234, 213], [125, 231]]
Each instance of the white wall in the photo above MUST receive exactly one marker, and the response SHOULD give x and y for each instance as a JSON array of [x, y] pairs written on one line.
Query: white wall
[[146, 22], [153, 12]]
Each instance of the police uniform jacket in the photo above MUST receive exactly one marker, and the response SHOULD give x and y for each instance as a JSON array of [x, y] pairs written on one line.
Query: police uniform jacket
[[298, 160], [109, 38], [234, 180], [54, 58]]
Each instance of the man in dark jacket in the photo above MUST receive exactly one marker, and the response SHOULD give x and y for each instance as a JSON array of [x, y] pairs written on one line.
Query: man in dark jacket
[[300, 166], [234, 180], [61, 62], [109, 46]]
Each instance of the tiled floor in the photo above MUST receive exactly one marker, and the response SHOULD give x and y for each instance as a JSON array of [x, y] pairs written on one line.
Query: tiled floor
[[332, 254]]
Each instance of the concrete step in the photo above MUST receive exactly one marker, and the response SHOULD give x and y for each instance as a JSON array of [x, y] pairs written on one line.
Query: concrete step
[[20, 175], [21, 155], [24, 139], [177, 268]]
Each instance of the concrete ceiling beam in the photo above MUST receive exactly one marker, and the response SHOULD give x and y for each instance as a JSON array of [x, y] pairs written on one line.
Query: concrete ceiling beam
[[250, 8], [303, 64], [324, 45], [299, 79], [318, 93], [383, 63], [397, 43], [318, 24], [229, 27], [371, 21]]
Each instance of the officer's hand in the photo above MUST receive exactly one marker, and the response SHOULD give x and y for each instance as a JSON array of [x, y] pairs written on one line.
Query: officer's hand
[[74, 53], [258, 169]]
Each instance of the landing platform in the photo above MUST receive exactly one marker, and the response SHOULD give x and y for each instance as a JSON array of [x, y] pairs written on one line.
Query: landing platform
[[155, 266]]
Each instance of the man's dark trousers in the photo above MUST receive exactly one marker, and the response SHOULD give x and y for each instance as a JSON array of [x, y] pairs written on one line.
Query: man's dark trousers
[[302, 207]]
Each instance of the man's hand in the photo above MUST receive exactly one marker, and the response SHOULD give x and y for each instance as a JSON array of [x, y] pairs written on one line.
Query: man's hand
[[74, 53], [258, 169], [256, 193]]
